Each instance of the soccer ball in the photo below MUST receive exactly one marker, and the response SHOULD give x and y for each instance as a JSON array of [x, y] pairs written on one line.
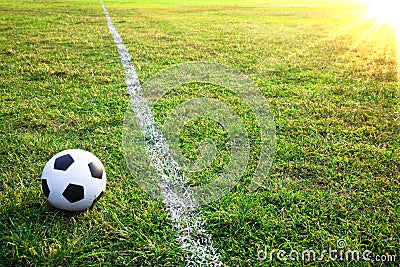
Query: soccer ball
[[73, 180]]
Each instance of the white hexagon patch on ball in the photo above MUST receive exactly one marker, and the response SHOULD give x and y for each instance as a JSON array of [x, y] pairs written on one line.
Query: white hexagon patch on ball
[[73, 180]]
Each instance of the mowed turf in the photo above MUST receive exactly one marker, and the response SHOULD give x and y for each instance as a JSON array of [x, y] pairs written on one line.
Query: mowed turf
[[329, 76]]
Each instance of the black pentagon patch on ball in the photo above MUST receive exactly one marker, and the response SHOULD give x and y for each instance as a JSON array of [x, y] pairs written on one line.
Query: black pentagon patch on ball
[[62, 163], [74, 193], [45, 188], [96, 170]]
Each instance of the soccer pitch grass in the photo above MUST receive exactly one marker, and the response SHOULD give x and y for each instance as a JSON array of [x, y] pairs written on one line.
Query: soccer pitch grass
[[329, 75]]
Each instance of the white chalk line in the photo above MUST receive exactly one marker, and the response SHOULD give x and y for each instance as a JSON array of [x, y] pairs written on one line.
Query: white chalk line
[[196, 243]]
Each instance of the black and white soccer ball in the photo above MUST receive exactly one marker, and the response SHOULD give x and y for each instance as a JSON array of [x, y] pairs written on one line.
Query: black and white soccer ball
[[73, 180]]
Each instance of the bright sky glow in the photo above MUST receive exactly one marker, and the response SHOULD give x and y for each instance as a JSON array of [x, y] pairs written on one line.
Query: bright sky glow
[[385, 11]]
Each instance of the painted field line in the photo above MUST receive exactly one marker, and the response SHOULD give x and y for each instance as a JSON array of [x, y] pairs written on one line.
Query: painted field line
[[184, 212]]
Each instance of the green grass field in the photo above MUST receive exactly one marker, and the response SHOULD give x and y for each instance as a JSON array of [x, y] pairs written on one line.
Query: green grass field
[[330, 79]]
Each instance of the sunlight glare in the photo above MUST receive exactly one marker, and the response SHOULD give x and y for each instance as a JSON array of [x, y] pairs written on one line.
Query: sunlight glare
[[387, 12]]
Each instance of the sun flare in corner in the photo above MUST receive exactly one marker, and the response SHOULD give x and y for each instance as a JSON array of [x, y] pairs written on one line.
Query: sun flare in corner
[[387, 12]]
